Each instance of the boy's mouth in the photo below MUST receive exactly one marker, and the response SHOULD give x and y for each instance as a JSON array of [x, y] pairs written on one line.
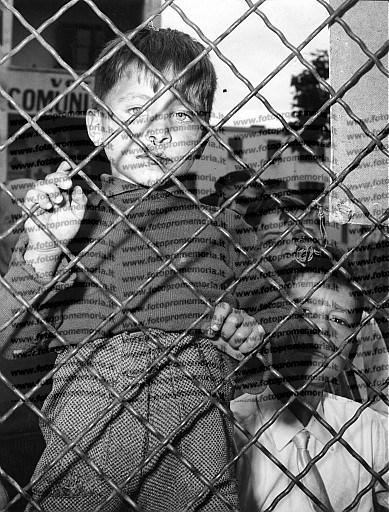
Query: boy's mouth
[[162, 159]]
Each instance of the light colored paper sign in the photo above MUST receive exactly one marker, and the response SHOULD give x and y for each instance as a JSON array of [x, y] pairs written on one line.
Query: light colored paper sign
[[368, 99]]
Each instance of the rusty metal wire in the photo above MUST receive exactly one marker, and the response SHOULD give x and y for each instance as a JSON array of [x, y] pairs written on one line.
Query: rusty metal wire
[[167, 260]]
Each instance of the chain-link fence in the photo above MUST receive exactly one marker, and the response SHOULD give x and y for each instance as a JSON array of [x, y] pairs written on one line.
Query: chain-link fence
[[78, 440]]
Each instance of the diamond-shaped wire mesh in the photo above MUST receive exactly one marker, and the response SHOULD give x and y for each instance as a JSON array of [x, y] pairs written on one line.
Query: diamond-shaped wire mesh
[[121, 371]]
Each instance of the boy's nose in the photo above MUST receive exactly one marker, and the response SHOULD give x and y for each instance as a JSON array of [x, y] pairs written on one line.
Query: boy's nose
[[159, 135], [325, 326]]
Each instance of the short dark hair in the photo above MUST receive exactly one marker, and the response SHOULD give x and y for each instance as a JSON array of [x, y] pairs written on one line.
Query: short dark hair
[[166, 50]]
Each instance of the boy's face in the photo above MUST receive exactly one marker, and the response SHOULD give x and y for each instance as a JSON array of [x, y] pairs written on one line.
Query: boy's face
[[333, 309], [167, 128]]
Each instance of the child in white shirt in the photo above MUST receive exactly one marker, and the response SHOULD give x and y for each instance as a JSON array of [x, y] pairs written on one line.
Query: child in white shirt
[[337, 478]]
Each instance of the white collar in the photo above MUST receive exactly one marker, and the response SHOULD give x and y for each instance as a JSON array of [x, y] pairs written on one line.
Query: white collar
[[287, 425]]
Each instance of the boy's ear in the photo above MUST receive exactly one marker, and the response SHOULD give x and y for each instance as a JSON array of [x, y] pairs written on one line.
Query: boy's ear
[[94, 125]]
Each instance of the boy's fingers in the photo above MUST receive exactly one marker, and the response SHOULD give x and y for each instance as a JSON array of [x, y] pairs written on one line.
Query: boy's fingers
[[240, 335], [61, 180], [61, 176], [51, 192], [211, 327], [64, 167], [78, 203], [221, 312], [232, 323], [245, 329], [254, 340], [37, 197]]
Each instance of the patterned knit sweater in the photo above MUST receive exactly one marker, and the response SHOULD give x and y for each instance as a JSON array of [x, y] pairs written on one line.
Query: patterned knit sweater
[[203, 253]]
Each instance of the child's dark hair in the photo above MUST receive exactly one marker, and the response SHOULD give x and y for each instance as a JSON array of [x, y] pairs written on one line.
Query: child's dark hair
[[291, 204], [167, 50]]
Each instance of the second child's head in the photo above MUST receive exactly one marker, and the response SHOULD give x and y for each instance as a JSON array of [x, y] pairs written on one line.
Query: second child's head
[[335, 309], [167, 128]]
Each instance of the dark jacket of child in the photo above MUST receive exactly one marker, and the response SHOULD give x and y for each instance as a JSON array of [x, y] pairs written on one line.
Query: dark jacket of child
[[127, 267]]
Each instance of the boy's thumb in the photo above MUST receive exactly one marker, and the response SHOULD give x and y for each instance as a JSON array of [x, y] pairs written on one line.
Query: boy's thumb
[[78, 203], [64, 167]]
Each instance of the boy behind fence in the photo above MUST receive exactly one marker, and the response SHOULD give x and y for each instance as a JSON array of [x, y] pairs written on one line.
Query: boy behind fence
[[296, 435], [158, 398]]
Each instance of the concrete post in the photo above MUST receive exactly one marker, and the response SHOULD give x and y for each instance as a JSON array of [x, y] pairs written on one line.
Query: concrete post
[[368, 99]]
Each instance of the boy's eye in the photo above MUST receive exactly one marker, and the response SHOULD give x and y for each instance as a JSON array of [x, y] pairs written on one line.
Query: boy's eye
[[341, 321], [182, 117], [133, 110]]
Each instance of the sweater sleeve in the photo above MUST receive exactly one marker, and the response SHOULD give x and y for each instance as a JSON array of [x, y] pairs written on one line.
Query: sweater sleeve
[[25, 333]]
